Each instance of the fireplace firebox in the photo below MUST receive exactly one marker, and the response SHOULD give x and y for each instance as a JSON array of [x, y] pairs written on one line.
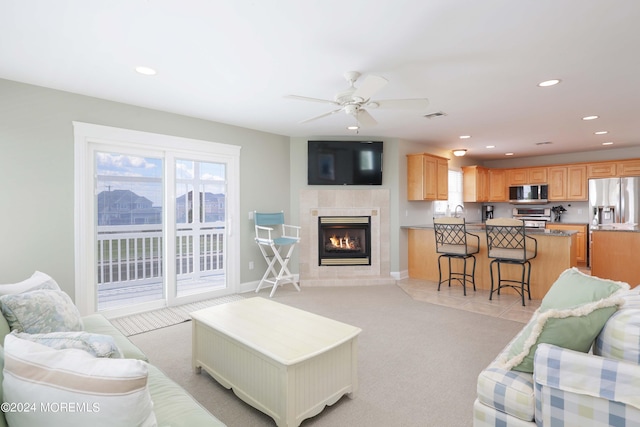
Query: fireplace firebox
[[344, 240]]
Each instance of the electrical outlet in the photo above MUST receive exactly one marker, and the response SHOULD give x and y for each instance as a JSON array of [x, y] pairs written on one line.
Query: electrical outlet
[[250, 215], [579, 211], [250, 265]]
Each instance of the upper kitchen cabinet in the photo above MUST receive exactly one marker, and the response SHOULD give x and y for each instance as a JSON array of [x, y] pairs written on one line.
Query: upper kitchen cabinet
[[628, 168], [601, 170], [427, 177], [568, 183], [526, 176], [498, 189], [475, 184]]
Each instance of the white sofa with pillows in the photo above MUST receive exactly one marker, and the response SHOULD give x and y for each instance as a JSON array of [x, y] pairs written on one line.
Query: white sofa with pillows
[[60, 369], [576, 363]]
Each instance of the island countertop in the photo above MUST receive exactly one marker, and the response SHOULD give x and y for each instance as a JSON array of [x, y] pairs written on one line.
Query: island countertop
[[477, 226], [556, 252]]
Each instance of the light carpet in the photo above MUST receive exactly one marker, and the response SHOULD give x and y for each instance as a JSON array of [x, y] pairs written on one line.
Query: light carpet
[[144, 322], [418, 363]]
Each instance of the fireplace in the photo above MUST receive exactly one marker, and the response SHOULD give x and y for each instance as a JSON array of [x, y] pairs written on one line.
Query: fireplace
[[344, 240]]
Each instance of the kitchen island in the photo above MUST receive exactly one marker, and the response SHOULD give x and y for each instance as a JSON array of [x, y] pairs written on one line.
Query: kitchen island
[[614, 252], [556, 253]]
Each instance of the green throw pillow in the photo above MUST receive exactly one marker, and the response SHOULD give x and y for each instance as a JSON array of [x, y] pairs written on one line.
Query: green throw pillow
[[571, 315]]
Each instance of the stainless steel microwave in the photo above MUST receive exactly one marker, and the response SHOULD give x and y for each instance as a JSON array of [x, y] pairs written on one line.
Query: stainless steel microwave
[[531, 194]]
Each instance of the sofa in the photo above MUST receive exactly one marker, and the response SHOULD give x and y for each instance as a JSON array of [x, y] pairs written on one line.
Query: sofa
[[592, 383], [166, 403]]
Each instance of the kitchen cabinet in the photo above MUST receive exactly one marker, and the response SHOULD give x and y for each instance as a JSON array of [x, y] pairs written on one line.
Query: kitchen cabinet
[[581, 238], [601, 170], [526, 176], [568, 183], [615, 255], [628, 168], [427, 177], [498, 190], [475, 184]]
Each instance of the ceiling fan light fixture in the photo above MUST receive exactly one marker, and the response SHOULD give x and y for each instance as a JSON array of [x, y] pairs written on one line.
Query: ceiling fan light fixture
[[459, 152]]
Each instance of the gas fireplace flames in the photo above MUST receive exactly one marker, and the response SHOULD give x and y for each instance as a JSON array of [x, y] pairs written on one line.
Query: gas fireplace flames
[[337, 243]]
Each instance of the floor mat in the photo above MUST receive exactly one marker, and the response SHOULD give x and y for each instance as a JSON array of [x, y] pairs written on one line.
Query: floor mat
[[156, 319]]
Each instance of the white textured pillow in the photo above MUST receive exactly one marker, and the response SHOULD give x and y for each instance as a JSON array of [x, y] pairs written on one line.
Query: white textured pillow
[[40, 312], [97, 345], [71, 388], [38, 280]]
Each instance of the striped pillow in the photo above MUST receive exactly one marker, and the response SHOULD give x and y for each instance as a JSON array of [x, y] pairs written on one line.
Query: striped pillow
[[72, 388]]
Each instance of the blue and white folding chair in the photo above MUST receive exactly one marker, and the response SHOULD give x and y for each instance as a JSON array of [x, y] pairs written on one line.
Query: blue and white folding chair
[[272, 236]]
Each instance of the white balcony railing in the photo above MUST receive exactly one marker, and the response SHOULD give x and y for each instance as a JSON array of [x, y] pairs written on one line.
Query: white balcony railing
[[130, 255]]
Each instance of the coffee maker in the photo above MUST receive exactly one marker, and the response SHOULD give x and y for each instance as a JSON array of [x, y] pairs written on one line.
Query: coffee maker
[[488, 212]]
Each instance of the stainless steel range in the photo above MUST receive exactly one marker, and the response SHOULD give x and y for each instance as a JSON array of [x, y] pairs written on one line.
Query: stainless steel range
[[533, 217]]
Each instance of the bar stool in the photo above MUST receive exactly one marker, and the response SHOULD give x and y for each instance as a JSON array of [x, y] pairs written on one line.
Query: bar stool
[[508, 244], [453, 242]]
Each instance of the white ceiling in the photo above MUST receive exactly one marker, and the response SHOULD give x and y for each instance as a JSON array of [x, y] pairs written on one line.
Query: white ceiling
[[233, 61]]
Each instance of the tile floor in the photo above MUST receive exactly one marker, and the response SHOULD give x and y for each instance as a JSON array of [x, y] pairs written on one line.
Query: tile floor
[[504, 306]]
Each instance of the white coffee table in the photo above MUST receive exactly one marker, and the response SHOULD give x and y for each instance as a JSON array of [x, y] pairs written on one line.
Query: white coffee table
[[286, 362]]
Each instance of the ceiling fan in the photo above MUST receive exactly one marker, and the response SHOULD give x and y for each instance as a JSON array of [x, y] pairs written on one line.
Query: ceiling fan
[[356, 100]]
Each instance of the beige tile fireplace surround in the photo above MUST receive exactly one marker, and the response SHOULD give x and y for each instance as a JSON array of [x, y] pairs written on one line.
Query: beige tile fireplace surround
[[373, 203]]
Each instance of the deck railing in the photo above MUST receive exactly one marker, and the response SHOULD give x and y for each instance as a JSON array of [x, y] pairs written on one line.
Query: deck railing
[[129, 254]]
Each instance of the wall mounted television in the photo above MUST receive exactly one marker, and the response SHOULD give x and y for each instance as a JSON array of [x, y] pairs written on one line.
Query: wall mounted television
[[344, 163]]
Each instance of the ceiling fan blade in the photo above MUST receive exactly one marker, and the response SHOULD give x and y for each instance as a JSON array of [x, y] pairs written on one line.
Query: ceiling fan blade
[[321, 116], [306, 98], [401, 104], [369, 87], [366, 119]]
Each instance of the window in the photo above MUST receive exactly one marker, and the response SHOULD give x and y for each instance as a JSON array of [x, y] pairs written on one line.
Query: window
[[455, 194]]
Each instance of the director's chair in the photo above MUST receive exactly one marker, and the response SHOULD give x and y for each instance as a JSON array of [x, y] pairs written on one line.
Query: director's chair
[[273, 235]]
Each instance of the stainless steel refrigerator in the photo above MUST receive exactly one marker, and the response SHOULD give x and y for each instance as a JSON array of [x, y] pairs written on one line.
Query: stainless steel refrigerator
[[614, 201]]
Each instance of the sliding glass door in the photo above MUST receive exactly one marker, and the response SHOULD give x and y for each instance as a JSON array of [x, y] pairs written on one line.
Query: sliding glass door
[[154, 227]]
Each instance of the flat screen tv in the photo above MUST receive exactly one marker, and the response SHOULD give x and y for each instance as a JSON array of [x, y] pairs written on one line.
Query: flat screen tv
[[344, 163]]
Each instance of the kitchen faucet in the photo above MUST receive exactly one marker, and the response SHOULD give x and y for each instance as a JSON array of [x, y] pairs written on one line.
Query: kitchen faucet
[[455, 212]]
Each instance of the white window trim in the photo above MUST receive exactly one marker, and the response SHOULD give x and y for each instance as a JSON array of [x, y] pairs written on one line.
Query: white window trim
[[86, 134]]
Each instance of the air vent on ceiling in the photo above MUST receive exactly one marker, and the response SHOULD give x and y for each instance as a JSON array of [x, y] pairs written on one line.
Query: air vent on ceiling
[[544, 143], [434, 115]]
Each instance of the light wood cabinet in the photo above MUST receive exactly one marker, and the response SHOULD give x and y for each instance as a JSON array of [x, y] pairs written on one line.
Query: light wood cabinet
[[538, 175], [577, 182], [427, 177], [557, 183], [526, 176], [601, 170], [475, 184], [615, 255], [568, 183], [498, 190], [581, 238], [628, 168]]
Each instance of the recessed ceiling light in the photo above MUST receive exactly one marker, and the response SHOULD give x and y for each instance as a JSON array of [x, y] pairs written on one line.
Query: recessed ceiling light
[[508, 154], [147, 71], [490, 146], [590, 118], [465, 136], [601, 132], [607, 143], [353, 127], [547, 83]]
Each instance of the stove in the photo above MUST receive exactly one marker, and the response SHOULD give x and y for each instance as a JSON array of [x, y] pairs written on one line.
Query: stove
[[533, 217]]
